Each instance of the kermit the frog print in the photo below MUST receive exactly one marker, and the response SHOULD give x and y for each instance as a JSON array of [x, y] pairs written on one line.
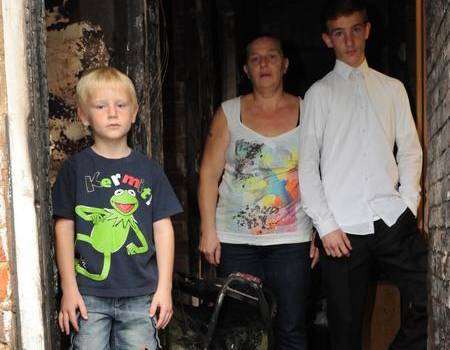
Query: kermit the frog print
[[111, 229]]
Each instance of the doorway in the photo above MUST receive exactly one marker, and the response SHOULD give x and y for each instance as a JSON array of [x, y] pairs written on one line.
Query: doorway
[[207, 40], [185, 58], [206, 44]]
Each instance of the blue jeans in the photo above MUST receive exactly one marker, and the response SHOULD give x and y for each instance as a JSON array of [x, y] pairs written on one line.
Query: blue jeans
[[285, 269], [116, 323]]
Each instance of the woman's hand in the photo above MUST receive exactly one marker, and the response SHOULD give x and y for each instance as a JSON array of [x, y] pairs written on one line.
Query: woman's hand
[[211, 169], [313, 254], [210, 247], [313, 250]]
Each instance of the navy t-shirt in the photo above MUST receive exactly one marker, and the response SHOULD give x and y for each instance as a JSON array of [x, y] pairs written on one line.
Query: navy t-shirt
[[114, 203]]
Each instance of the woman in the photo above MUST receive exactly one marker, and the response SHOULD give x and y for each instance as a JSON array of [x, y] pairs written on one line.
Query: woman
[[253, 222]]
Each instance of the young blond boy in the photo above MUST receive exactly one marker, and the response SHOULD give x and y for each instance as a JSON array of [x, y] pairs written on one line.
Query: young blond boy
[[114, 238]]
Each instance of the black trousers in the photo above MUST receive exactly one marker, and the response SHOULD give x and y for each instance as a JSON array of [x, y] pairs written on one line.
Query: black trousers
[[400, 253]]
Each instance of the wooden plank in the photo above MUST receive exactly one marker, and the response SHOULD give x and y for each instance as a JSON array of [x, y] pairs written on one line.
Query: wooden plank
[[156, 55], [385, 320], [40, 159], [422, 212]]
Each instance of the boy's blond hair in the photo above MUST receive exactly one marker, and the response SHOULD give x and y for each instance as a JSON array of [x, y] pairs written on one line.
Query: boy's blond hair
[[97, 78]]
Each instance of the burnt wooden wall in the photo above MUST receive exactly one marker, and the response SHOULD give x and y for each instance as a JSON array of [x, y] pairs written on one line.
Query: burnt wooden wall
[[124, 34], [38, 146], [189, 100]]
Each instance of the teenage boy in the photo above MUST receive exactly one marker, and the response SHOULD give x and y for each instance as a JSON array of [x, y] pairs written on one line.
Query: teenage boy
[[114, 237], [360, 193]]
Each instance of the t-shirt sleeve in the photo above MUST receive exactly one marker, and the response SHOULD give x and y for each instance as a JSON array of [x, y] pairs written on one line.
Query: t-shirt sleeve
[[164, 201], [64, 191]]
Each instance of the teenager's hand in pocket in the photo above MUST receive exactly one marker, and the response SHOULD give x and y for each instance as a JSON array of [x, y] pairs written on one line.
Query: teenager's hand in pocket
[[336, 244], [71, 301], [161, 307]]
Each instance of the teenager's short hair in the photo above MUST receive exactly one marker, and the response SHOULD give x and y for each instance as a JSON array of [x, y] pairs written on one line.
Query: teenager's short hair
[[98, 77], [276, 39], [336, 8]]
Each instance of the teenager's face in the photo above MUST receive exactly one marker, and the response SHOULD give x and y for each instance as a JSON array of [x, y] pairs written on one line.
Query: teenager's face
[[110, 113], [347, 36], [265, 65]]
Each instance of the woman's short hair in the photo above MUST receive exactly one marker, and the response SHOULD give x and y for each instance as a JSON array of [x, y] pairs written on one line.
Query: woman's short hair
[[276, 39], [97, 78]]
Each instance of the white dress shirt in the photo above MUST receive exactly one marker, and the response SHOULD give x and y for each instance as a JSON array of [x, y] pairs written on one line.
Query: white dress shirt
[[349, 175]]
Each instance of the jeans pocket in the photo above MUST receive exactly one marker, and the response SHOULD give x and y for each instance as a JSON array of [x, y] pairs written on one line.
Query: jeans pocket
[[155, 332], [71, 336], [73, 333]]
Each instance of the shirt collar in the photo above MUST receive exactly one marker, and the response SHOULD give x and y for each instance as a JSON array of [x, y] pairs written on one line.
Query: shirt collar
[[345, 70]]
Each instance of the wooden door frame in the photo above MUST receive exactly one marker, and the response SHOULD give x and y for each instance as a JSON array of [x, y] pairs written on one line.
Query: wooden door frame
[[420, 104]]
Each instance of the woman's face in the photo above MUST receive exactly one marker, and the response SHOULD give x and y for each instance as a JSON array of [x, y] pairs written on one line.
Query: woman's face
[[265, 65]]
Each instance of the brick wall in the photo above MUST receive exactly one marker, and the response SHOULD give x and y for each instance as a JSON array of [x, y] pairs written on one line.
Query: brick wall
[[437, 19]]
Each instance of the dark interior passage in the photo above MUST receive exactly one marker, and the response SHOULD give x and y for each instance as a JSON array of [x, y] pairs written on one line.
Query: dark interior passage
[[207, 41], [391, 47], [185, 57]]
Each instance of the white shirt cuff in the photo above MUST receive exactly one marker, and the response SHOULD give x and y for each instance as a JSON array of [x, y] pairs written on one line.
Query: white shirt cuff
[[327, 227]]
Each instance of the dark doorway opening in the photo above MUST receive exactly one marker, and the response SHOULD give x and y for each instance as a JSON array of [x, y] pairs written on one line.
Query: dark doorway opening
[[206, 44], [195, 47]]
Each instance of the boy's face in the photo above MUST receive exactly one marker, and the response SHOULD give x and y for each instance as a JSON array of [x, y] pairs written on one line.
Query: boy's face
[[109, 112], [265, 64], [347, 36]]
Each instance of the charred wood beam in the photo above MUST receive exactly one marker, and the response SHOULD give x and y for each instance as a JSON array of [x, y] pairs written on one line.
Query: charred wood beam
[[130, 57], [199, 104], [138, 53], [157, 52], [228, 52], [40, 160]]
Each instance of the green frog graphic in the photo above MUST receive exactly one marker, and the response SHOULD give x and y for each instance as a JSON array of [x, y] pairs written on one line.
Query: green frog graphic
[[110, 231]]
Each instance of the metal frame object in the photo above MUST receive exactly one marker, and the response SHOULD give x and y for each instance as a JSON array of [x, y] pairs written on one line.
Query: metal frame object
[[267, 312]]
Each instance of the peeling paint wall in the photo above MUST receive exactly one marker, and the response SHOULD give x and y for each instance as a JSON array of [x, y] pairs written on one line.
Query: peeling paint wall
[[71, 50], [7, 312], [23, 173], [6, 299]]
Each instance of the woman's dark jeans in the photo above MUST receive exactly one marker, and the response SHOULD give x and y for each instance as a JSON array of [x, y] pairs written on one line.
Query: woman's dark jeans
[[285, 269]]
